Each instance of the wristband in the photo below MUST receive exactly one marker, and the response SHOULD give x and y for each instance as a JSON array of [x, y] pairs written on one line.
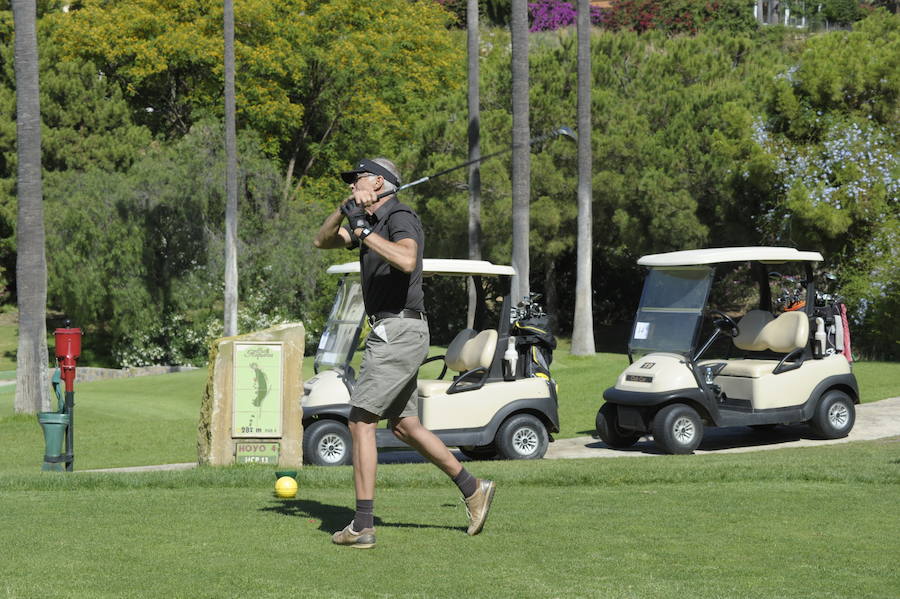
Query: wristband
[[366, 231]]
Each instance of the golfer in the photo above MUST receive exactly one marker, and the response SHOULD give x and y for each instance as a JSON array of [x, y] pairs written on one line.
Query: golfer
[[391, 243]]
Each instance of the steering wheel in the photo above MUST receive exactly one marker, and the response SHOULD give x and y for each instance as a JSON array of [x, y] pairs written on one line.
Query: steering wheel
[[724, 323]]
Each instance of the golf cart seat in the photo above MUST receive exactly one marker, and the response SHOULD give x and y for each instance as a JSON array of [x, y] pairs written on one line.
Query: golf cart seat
[[751, 326], [788, 334], [470, 354]]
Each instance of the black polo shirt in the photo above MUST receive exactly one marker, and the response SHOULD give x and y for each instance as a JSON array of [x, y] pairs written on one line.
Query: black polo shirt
[[385, 288]]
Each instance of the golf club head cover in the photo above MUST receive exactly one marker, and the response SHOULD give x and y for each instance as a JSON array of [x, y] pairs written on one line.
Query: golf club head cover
[[356, 215]]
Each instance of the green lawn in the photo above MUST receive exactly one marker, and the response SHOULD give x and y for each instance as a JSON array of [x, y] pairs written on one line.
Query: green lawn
[[9, 331], [797, 523], [781, 523], [153, 420]]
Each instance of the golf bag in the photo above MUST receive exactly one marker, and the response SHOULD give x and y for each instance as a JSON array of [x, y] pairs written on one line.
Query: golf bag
[[535, 344], [838, 331], [837, 326]]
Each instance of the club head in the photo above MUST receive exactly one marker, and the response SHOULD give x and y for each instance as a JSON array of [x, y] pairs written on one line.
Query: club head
[[567, 133]]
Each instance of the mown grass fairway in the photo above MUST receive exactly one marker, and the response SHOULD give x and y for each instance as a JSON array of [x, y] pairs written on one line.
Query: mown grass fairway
[[153, 419], [796, 523], [122, 422], [812, 522], [9, 337]]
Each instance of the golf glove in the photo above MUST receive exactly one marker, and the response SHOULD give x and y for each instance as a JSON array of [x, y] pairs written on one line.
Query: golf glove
[[356, 215]]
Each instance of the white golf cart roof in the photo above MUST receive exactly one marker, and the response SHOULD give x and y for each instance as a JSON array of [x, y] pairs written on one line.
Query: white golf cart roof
[[439, 266], [774, 255]]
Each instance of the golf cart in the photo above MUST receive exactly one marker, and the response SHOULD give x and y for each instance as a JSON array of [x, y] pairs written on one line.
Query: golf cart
[[500, 401], [777, 368]]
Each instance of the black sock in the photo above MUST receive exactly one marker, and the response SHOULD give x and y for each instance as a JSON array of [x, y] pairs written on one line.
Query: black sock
[[365, 514], [466, 483]]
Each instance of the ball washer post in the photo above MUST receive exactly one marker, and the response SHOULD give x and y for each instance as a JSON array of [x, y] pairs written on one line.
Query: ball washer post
[[68, 350], [564, 131]]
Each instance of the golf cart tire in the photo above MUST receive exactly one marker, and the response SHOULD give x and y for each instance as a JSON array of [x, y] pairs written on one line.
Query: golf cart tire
[[327, 443], [522, 437], [478, 452], [607, 423], [834, 416], [677, 429]]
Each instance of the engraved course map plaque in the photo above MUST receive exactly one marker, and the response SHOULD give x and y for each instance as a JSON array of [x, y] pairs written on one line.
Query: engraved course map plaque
[[257, 409]]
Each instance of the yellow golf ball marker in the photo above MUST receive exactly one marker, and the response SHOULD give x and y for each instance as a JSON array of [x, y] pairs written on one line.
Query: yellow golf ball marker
[[286, 487]]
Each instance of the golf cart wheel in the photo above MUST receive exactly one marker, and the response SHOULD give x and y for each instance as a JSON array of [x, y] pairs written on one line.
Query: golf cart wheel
[[607, 423], [327, 443], [522, 437], [478, 452], [677, 429], [834, 416]]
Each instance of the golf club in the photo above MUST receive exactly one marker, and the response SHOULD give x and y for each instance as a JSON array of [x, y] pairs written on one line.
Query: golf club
[[564, 131]]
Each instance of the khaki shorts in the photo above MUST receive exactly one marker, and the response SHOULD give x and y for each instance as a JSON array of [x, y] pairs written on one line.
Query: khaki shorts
[[387, 385]]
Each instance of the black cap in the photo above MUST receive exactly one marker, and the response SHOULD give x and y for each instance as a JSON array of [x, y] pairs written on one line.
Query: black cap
[[369, 166]]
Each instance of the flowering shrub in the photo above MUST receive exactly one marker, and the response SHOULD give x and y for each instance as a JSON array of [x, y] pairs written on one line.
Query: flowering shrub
[[843, 194], [175, 341], [679, 16], [490, 12], [546, 15], [550, 15], [179, 341]]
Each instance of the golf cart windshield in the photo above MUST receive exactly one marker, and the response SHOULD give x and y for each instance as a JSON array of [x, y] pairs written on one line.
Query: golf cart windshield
[[671, 309], [342, 330]]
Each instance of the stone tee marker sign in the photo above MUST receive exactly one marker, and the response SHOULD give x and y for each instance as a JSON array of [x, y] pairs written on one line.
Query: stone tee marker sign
[[251, 408]]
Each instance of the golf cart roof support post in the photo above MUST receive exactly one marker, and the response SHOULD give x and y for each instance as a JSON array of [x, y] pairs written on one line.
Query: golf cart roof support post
[[762, 279], [479, 320], [810, 307], [502, 335]]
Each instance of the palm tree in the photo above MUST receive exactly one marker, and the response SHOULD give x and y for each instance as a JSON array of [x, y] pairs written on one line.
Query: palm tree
[[474, 149], [32, 380], [231, 272], [583, 326], [521, 154]]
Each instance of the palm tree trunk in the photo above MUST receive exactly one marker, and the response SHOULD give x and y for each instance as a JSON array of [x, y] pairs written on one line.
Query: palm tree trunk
[[231, 270], [32, 376], [472, 36], [773, 12], [583, 325], [521, 154]]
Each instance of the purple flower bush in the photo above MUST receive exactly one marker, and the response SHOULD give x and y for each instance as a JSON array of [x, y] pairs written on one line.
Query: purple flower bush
[[550, 15]]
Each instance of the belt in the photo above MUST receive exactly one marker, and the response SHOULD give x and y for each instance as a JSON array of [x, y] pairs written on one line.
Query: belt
[[405, 313]]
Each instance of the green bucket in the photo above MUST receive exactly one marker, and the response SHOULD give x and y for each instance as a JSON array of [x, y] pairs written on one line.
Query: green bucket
[[54, 425]]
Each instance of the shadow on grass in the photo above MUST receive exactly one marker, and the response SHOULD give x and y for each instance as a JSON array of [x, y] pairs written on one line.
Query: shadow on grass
[[334, 517]]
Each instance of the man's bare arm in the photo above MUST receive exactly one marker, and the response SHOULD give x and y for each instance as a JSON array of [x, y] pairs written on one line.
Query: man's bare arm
[[399, 254], [331, 234]]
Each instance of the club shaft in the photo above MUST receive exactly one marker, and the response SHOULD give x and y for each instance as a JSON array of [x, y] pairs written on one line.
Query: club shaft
[[531, 142]]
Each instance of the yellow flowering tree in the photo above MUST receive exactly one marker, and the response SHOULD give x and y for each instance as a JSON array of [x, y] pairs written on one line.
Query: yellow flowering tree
[[311, 77]]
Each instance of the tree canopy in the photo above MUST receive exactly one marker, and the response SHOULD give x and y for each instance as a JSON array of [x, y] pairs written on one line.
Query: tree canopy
[[729, 136]]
